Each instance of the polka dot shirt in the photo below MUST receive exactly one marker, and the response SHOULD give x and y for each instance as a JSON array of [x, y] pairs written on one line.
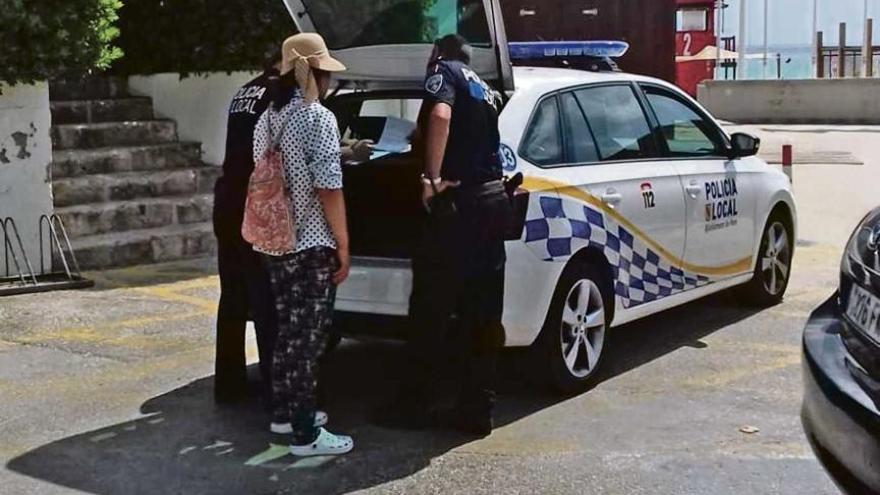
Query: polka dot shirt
[[310, 149]]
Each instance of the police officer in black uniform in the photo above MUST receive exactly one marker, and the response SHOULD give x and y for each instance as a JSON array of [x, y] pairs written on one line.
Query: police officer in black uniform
[[244, 283], [459, 267]]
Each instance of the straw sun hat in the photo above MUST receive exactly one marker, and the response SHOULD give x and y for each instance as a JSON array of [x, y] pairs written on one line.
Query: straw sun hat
[[303, 52]]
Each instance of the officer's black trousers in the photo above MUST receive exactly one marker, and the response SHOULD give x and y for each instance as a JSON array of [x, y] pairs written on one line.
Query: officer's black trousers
[[245, 293], [456, 271]]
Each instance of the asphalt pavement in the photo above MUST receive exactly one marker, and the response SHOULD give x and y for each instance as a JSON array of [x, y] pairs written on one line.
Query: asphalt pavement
[[109, 390]]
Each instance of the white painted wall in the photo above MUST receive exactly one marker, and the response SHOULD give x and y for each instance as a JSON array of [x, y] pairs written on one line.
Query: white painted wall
[[25, 158], [199, 104], [806, 101]]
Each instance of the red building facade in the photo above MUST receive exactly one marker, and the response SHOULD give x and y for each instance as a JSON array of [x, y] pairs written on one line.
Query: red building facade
[[657, 30], [695, 30], [647, 25]]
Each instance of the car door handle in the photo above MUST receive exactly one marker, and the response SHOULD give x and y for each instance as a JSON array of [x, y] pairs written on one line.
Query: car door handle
[[612, 198], [693, 189], [526, 12]]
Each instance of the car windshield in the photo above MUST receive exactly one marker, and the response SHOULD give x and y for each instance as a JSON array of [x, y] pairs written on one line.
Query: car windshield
[[352, 23]]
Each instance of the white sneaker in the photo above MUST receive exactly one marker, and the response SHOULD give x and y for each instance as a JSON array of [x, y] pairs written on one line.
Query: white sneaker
[[326, 444], [321, 419]]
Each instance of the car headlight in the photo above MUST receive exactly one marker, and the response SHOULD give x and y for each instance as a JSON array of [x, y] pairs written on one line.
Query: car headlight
[[863, 249]]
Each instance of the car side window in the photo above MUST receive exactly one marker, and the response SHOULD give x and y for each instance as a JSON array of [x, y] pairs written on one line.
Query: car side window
[[580, 146], [618, 122], [685, 131], [543, 141]]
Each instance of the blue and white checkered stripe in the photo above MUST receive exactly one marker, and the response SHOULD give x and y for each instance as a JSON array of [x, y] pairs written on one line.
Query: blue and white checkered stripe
[[555, 229]]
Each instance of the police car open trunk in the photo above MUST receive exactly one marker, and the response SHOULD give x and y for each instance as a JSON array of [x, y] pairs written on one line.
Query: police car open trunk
[[386, 45]]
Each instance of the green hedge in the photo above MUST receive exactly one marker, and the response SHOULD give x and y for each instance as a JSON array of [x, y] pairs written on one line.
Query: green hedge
[[40, 39], [194, 36]]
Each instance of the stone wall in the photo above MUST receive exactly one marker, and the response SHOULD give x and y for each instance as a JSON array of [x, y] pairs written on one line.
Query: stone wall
[[25, 158], [199, 104], [807, 101]]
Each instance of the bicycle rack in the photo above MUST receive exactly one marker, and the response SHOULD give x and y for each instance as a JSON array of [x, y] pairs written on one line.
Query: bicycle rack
[[25, 280]]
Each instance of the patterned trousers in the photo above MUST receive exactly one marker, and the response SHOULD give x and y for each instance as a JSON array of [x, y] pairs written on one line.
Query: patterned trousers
[[304, 295]]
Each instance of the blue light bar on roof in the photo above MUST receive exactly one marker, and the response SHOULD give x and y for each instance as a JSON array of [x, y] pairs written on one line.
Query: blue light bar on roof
[[554, 49]]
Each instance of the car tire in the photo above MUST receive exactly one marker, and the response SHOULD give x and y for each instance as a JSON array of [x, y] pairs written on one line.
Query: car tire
[[773, 266], [569, 350]]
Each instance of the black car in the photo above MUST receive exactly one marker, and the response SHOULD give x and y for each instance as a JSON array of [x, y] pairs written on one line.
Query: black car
[[842, 368]]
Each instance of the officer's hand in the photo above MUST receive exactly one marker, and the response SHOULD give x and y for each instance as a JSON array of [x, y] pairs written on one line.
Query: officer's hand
[[428, 191], [362, 150], [344, 266]]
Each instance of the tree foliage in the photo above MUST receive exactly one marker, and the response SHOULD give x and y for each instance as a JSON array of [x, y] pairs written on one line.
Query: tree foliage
[[196, 36], [41, 39]]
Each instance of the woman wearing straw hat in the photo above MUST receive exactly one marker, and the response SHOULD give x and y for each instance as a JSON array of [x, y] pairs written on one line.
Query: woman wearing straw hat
[[304, 279]]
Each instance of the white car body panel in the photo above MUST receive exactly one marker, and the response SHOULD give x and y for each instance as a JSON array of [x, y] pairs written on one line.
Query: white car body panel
[[376, 286], [721, 241]]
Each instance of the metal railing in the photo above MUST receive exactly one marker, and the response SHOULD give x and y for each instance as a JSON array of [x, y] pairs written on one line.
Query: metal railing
[[8, 226], [852, 62], [834, 61], [54, 224], [20, 276]]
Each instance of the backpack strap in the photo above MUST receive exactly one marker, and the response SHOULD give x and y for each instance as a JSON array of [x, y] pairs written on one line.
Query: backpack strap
[[276, 138]]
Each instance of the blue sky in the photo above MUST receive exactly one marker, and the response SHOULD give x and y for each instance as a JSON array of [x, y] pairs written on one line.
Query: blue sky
[[790, 21]]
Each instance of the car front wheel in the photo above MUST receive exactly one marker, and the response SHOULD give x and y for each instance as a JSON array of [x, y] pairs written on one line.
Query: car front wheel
[[573, 340], [773, 268]]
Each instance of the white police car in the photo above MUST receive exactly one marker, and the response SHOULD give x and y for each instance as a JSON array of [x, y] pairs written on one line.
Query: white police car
[[635, 200]]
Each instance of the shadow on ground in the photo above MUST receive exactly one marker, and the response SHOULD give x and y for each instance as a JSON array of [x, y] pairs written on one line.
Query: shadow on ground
[[186, 444]]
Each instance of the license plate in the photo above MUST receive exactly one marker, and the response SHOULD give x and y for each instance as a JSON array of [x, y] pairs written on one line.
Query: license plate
[[863, 310]]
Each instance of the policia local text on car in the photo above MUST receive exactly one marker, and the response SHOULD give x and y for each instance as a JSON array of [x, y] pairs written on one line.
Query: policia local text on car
[[459, 266]]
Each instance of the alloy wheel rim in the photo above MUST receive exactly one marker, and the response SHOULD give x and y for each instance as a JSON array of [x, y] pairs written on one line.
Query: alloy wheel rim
[[776, 259], [583, 328]]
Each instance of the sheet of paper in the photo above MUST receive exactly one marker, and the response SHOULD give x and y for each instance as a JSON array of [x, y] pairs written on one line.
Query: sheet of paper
[[395, 135], [378, 154]]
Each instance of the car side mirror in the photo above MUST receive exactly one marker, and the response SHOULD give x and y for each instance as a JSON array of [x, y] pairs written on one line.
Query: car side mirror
[[743, 145]]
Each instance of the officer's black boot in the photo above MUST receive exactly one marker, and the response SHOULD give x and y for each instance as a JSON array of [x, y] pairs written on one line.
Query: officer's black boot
[[473, 412], [409, 410], [230, 377]]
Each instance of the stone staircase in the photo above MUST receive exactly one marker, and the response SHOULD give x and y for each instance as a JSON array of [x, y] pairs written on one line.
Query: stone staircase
[[128, 190]]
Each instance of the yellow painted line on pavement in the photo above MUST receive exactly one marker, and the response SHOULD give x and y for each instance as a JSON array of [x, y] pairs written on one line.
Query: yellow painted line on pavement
[[99, 332], [199, 283], [788, 313], [810, 293], [727, 377], [171, 295], [786, 355], [117, 381], [787, 349]]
